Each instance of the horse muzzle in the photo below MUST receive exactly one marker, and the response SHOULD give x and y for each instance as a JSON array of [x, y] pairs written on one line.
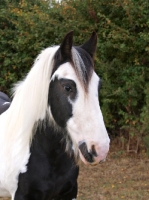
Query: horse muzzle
[[94, 155]]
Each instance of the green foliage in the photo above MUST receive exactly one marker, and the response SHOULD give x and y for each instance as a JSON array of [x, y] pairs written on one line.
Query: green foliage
[[122, 59]]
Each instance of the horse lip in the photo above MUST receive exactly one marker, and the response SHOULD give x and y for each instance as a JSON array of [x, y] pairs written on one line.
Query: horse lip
[[90, 156], [84, 151]]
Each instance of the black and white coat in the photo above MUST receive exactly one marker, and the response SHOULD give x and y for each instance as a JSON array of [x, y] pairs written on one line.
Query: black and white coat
[[54, 109], [49, 158]]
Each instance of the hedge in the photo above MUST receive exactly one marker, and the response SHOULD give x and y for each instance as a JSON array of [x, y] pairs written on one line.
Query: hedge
[[122, 58]]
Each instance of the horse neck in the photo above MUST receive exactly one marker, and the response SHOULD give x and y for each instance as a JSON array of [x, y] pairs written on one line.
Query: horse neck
[[50, 142]]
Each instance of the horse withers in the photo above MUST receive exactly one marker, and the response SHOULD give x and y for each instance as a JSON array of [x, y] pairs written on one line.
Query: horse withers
[[55, 110]]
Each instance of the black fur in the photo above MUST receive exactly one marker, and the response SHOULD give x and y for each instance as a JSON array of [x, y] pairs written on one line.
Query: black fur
[[51, 172], [61, 91], [90, 45]]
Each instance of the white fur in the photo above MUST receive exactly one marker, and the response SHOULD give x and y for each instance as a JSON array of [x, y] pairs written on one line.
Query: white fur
[[16, 124]]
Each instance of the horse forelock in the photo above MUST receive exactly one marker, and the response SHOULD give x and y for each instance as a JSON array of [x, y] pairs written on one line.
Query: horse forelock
[[83, 66], [81, 62]]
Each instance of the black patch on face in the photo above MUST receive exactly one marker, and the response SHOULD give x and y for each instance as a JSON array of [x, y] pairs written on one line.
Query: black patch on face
[[60, 91]]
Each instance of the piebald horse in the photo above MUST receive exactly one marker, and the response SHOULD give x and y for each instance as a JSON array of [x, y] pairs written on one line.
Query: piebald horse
[[53, 120]]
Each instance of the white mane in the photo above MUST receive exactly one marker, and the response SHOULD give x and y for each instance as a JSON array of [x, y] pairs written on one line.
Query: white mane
[[29, 105], [30, 102], [31, 95]]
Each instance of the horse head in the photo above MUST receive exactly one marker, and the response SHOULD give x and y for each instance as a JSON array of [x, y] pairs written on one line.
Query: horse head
[[73, 99]]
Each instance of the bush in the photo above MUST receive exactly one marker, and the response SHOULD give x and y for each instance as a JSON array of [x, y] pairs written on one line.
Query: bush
[[122, 59]]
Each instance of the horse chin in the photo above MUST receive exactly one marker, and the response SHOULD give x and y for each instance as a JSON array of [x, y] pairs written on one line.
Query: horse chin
[[83, 159]]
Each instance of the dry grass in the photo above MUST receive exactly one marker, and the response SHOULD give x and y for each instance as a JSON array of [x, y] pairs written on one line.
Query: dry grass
[[120, 177]]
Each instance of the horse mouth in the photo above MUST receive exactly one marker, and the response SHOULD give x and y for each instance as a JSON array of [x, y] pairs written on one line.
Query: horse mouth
[[90, 157], [87, 155]]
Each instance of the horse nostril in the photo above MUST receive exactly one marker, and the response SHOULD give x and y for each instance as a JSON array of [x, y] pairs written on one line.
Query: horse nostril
[[93, 151]]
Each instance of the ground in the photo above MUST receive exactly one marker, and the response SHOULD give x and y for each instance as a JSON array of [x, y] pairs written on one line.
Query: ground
[[118, 178], [122, 176]]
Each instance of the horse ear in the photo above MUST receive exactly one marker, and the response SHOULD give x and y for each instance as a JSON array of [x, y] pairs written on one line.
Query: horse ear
[[90, 45], [66, 45]]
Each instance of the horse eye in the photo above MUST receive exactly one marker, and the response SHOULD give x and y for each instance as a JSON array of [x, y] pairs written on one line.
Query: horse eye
[[68, 88]]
